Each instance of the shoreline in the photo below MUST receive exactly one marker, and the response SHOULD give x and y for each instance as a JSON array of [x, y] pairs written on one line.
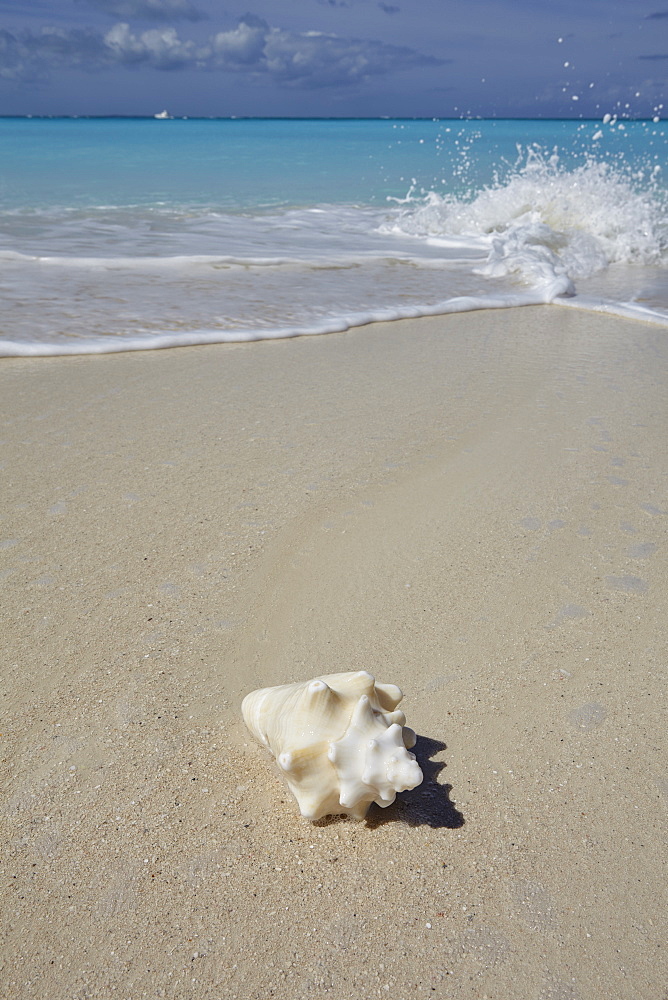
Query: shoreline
[[459, 305], [473, 507]]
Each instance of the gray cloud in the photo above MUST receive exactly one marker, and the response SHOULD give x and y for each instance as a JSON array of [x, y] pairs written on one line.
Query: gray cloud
[[159, 48], [388, 8], [244, 46], [148, 10], [313, 58], [658, 56], [10, 56], [309, 59], [657, 16], [29, 55]]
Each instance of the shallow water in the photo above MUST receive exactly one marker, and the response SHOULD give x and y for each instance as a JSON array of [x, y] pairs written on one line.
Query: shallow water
[[123, 234]]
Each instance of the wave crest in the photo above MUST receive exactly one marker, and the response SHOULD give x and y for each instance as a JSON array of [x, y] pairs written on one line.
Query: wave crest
[[549, 225]]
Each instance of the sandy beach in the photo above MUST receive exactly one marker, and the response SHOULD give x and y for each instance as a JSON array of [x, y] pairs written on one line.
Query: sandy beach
[[473, 507]]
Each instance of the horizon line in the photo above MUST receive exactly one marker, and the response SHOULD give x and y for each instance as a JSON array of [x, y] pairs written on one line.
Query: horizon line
[[425, 118]]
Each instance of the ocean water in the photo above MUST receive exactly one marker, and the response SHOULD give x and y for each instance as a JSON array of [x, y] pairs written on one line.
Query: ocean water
[[127, 234]]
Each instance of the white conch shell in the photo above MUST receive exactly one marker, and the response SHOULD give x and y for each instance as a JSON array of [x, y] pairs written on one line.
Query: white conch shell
[[339, 741]]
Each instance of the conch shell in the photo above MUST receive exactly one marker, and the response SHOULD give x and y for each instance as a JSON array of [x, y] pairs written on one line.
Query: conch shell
[[339, 741]]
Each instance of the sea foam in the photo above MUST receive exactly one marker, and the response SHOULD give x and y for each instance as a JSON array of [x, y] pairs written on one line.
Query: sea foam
[[548, 225]]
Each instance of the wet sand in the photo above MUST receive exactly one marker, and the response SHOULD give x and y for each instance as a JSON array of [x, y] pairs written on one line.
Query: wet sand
[[474, 507]]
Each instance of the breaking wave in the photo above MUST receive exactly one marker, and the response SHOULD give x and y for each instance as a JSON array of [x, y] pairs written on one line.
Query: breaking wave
[[550, 226]]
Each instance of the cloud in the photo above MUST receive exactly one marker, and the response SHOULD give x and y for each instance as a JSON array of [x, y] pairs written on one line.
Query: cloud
[[659, 55], [244, 46], [29, 55], [657, 16], [159, 48], [10, 55], [148, 10], [308, 59], [311, 58], [388, 8]]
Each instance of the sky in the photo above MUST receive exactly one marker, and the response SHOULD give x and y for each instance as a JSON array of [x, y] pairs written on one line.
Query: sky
[[334, 58]]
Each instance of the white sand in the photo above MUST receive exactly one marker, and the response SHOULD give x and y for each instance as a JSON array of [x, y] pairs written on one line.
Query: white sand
[[474, 507]]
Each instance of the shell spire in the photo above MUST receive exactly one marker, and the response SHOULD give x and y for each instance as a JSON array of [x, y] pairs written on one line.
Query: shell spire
[[339, 740]]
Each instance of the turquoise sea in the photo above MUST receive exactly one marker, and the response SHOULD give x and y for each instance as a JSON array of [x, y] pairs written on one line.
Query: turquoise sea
[[126, 234]]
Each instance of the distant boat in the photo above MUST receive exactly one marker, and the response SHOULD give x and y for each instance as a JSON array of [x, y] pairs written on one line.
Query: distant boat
[[163, 115]]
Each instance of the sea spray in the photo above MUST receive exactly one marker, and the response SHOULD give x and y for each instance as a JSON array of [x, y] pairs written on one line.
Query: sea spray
[[548, 225]]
